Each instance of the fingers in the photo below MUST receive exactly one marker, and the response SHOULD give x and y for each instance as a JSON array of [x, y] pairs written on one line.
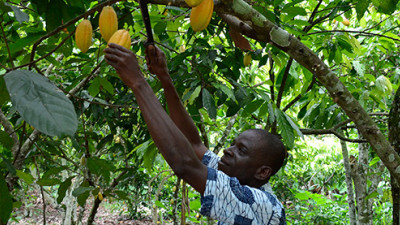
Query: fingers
[[119, 47]]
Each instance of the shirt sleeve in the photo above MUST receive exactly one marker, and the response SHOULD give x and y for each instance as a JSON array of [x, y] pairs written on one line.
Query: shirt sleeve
[[226, 200], [210, 159]]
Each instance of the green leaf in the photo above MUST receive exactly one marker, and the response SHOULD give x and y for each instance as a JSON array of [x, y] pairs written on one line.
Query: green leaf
[[5, 140], [121, 194], [386, 6], [41, 103], [25, 176], [107, 85], [293, 125], [194, 95], [252, 106], [23, 42], [82, 193], [19, 15], [149, 156], [63, 189], [53, 171], [285, 128], [294, 11], [4, 96], [9, 165], [361, 7], [81, 190], [53, 15], [94, 87], [100, 167], [374, 161], [209, 104], [372, 195], [360, 68], [5, 201], [48, 182], [226, 90]]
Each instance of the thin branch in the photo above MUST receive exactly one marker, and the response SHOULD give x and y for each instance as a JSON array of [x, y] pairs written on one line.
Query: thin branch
[[298, 97], [32, 62], [41, 191], [271, 75], [331, 131], [227, 130], [8, 127], [353, 31], [8, 48]]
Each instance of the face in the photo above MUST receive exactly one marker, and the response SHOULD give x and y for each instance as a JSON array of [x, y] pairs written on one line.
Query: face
[[243, 157]]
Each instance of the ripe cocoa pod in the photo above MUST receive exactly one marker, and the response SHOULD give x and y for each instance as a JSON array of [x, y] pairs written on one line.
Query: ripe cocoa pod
[[247, 59], [100, 196], [121, 37], [108, 22], [83, 35], [346, 22], [200, 15], [193, 3]]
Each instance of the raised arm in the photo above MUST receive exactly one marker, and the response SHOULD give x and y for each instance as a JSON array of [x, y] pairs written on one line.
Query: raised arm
[[173, 145], [157, 65]]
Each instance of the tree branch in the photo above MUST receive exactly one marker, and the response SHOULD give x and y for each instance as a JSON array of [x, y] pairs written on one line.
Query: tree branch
[[354, 31], [330, 131], [283, 83]]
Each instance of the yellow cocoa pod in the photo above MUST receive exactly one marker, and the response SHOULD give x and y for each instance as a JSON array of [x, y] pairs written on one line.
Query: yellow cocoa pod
[[346, 22], [100, 196], [200, 15], [193, 3], [83, 160], [247, 59], [121, 37], [83, 35], [108, 22]]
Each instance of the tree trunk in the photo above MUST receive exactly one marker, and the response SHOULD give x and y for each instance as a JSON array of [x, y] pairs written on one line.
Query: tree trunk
[[364, 213], [394, 133], [349, 184]]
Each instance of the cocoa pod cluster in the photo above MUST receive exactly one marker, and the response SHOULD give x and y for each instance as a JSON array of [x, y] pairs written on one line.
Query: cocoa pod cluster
[[108, 26]]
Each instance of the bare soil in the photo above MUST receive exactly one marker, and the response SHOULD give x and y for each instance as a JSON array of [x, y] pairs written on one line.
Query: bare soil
[[31, 213]]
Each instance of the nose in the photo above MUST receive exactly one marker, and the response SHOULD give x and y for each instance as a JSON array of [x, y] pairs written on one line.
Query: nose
[[228, 151]]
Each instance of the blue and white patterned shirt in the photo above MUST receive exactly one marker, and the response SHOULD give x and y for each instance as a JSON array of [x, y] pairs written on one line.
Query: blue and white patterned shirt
[[229, 202]]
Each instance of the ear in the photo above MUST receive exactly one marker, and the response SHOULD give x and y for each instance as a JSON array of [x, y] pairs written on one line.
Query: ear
[[263, 172]]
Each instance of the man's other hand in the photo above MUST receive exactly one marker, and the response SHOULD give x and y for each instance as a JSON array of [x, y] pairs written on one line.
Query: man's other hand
[[124, 61], [156, 62]]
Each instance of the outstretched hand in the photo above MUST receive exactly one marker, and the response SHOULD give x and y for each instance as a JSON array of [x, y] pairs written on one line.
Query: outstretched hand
[[156, 62], [125, 63]]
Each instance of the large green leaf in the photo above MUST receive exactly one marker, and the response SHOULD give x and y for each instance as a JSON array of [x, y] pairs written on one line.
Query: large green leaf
[[5, 201], [209, 104], [63, 189], [41, 103], [286, 129]]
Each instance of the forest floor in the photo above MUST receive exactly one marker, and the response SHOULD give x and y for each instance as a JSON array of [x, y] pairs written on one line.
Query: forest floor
[[31, 213]]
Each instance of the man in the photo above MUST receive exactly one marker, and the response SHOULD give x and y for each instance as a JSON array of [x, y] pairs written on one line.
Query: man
[[234, 189]]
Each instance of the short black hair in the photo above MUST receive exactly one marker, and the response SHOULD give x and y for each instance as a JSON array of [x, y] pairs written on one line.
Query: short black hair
[[275, 151]]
